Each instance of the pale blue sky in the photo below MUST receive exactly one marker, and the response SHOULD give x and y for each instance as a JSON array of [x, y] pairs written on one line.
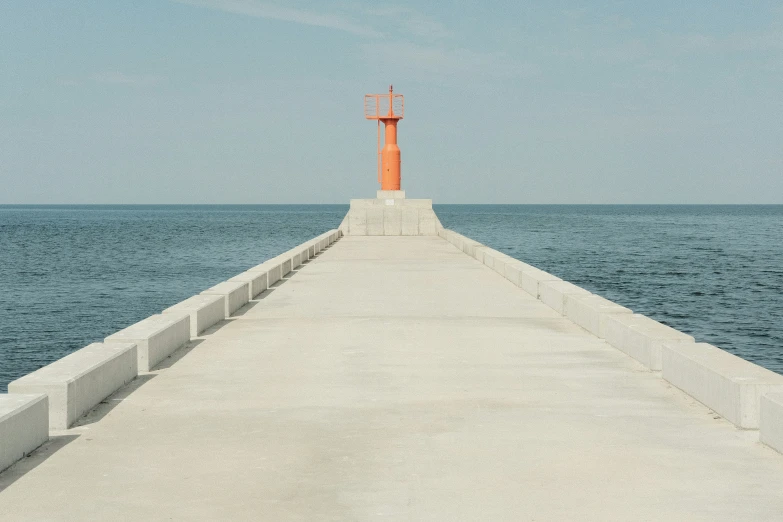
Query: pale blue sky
[[243, 101]]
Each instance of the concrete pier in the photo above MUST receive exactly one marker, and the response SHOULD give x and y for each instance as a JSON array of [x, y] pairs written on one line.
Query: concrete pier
[[397, 378]]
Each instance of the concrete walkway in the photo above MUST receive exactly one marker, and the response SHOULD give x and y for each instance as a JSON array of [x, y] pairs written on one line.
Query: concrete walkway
[[396, 378]]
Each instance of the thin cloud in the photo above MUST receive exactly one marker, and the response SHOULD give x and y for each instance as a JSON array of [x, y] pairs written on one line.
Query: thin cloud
[[284, 13]]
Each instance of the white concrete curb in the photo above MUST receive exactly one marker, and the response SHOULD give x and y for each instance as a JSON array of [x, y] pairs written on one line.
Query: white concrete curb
[[24, 425], [204, 310], [80, 380], [156, 338]]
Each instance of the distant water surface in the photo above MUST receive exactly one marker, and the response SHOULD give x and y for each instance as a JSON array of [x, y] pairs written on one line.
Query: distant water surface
[[71, 275]]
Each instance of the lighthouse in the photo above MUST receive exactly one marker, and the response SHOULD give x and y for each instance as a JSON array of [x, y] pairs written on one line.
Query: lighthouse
[[387, 109]]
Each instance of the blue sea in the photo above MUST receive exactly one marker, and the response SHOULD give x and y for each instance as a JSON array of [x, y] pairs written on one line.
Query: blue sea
[[71, 275]]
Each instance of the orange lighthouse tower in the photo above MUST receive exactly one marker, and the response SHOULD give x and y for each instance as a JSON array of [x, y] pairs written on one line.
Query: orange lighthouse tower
[[387, 109]]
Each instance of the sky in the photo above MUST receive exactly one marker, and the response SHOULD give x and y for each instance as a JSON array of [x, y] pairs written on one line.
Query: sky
[[245, 101]]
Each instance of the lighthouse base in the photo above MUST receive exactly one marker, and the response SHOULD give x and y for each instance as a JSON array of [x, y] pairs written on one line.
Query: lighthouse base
[[391, 214], [391, 194]]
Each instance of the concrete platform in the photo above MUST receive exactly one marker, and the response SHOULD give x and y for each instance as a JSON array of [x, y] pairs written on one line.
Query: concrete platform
[[396, 378]]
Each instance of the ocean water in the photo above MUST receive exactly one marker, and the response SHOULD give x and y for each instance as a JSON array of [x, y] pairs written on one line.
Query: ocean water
[[71, 275]]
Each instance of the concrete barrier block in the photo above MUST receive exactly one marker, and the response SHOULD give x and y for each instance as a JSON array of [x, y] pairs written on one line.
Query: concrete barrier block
[[311, 251], [204, 311], [392, 221], [442, 233], [256, 282], [554, 293], [497, 261], [485, 255], [479, 252], [155, 337], [410, 222], [428, 221], [425, 204], [531, 279], [454, 238], [357, 222], [364, 204], [285, 267], [296, 259], [591, 311], [79, 381], [236, 292], [273, 270], [489, 257], [458, 241], [375, 221], [514, 269], [728, 384], [640, 337], [24, 425], [771, 420], [390, 194], [274, 273], [469, 246]]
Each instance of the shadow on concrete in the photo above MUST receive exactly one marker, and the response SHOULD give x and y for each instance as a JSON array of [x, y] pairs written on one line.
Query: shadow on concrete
[[215, 327], [34, 459], [112, 401], [245, 309], [172, 359], [266, 293], [278, 283]]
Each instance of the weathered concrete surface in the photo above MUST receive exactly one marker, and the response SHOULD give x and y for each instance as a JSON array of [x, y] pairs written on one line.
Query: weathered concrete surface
[[726, 383], [155, 337], [204, 311], [391, 214], [395, 378], [236, 293], [24, 425], [771, 420], [80, 380]]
